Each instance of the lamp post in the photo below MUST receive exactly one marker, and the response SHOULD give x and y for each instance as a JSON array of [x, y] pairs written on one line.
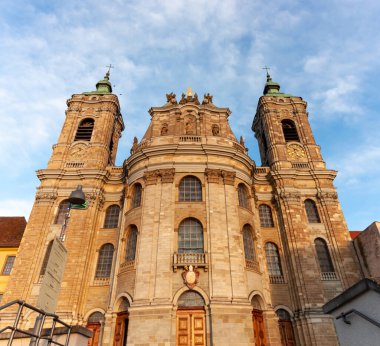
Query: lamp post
[[76, 197]]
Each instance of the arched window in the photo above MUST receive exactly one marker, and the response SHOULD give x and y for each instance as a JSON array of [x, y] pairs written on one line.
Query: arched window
[[243, 196], [290, 131], [103, 268], [249, 248], [112, 216], [46, 259], [190, 298], [323, 255], [136, 196], [131, 244], [63, 209], [273, 262], [190, 236], [265, 213], [190, 189], [96, 317], [312, 211], [84, 131]]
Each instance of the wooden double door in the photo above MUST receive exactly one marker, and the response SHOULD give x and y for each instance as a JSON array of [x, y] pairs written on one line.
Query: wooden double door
[[191, 328], [287, 335], [258, 328], [121, 329], [95, 327]]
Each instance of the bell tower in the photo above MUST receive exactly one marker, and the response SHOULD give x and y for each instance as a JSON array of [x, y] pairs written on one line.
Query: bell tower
[[283, 131], [91, 130], [318, 256]]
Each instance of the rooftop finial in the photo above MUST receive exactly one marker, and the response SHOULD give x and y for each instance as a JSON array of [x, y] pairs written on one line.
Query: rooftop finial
[[107, 76], [268, 75], [189, 91]]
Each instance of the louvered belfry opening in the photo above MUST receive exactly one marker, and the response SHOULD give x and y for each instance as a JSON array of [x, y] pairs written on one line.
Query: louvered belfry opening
[[290, 131], [84, 131]]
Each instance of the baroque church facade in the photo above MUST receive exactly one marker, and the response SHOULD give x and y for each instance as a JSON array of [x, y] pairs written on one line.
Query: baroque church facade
[[190, 242]]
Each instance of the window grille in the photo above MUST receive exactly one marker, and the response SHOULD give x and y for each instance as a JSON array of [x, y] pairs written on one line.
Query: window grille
[[112, 216], [136, 197], [249, 249], [190, 236], [190, 190], [312, 211], [63, 210], [9, 265], [191, 298], [290, 131], [131, 244], [103, 268], [273, 259], [243, 196], [266, 218], [84, 131], [323, 255]]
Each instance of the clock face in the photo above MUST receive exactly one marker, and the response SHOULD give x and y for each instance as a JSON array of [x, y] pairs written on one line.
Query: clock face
[[295, 152]]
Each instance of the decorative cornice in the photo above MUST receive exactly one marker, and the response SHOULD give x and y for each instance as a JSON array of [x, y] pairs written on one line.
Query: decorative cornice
[[219, 175], [46, 196], [328, 197], [166, 175]]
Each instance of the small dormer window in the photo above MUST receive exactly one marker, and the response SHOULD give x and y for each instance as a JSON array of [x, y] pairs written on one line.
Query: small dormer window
[[84, 131]]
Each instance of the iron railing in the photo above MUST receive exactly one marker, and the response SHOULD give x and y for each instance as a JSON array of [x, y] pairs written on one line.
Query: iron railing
[[37, 332]]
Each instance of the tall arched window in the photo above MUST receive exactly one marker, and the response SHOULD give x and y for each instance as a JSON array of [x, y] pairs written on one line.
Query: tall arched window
[[112, 216], [323, 255], [249, 248], [290, 131], [136, 196], [190, 189], [274, 263], [63, 209], [243, 196], [312, 211], [131, 244], [190, 236], [85, 129], [266, 218], [103, 268]]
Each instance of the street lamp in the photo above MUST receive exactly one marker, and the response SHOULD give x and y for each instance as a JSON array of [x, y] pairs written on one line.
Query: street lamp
[[77, 197]]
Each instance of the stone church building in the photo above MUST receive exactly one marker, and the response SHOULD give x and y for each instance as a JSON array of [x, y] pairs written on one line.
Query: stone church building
[[189, 242]]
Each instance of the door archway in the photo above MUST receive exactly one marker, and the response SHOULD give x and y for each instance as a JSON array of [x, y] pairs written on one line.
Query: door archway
[[121, 328], [191, 326], [286, 328], [258, 321]]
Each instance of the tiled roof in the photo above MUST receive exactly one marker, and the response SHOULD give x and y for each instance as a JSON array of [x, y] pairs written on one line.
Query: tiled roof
[[354, 234], [11, 230]]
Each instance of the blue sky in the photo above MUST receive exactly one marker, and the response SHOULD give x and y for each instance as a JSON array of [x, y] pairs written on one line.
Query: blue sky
[[328, 52]]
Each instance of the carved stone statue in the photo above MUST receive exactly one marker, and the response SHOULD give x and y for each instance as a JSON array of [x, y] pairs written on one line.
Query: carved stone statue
[[242, 143], [183, 99], [207, 99], [135, 144], [189, 126], [195, 99], [171, 98], [164, 130], [215, 130]]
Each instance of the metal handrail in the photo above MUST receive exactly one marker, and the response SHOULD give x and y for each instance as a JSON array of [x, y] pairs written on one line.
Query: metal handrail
[[22, 304], [354, 311]]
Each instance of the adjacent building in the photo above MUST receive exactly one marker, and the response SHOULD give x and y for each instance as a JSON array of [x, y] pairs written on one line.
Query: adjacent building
[[190, 242], [11, 231]]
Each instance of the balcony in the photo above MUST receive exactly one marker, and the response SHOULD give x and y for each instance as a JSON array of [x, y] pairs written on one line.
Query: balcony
[[186, 259], [276, 279], [101, 281], [127, 266], [328, 276]]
